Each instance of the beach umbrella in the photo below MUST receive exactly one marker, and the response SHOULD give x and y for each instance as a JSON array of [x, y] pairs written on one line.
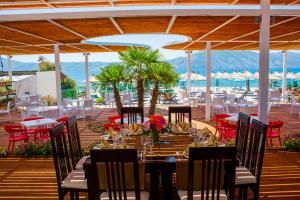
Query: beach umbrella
[[93, 79], [297, 76], [193, 76], [237, 76], [255, 75], [247, 74], [273, 78], [219, 75], [290, 75], [277, 75]]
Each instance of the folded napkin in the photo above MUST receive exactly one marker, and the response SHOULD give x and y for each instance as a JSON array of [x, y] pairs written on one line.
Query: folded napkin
[[213, 140], [135, 129], [206, 132], [111, 133], [181, 127], [104, 144]]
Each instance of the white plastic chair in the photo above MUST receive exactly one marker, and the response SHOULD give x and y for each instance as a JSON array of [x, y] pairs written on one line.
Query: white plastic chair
[[7, 111], [185, 97], [126, 99], [87, 106], [295, 104], [275, 97], [54, 113], [218, 106]]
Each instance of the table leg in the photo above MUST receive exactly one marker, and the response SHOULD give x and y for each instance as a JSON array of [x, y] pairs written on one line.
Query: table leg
[[154, 182], [167, 184]]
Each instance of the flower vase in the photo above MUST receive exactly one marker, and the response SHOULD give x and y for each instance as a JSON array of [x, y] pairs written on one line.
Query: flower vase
[[156, 137]]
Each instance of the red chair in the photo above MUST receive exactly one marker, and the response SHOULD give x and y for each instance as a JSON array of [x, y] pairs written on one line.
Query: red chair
[[16, 133], [43, 133], [274, 131], [64, 121], [228, 130], [218, 119], [112, 125], [31, 131], [113, 119]]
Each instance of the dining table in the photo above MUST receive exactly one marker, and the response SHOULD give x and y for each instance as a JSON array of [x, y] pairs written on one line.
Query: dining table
[[38, 122], [160, 160]]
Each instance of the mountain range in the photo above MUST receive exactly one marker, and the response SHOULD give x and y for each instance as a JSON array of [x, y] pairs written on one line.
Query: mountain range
[[221, 61]]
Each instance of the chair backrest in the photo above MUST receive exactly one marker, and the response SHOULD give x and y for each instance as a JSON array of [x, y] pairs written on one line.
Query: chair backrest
[[248, 110], [63, 120], [32, 118], [212, 160], [33, 98], [203, 95], [54, 113], [74, 140], [218, 101], [180, 112], [132, 114], [241, 138], [8, 105], [256, 148], [184, 95], [13, 129], [43, 114], [115, 161], [60, 153], [88, 103], [293, 99], [66, 100], [275, 94], [274, 125]]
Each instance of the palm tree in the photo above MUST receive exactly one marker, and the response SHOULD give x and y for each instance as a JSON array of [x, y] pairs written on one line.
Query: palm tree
[[138, 60], [112, 75], [162, 73]]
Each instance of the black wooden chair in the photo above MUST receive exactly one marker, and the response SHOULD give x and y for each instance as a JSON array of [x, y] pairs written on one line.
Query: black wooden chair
[[241, 139], [249, 174], [180, 112], [217, 173], [116, 173], [74, 144], [132, 114], [68, 180]]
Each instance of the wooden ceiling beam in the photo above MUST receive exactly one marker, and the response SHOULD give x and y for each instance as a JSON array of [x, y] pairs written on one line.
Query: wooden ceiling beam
[[212, 31], [37, 36], [25, 44], [234, 2], [173, 2], [171, 23], [256, 31], [47, 3], [116, 25], [294, 2], [26, 50]]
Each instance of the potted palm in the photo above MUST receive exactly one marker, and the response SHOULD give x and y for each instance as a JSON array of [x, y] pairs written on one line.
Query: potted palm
[[161, 73], [138, 60], [112, 76]]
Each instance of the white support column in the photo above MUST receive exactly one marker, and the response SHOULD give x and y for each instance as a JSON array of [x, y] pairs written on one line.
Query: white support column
[[9, 67], [208, 77], [57, 75], [188, 71], [264, 47], [284, 70], [87, 80]]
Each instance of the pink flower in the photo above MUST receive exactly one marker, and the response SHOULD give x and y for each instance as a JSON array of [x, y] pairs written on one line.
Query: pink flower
[[147, 125]]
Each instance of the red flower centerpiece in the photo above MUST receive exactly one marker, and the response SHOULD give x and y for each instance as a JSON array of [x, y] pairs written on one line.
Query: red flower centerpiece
[[154, 127]]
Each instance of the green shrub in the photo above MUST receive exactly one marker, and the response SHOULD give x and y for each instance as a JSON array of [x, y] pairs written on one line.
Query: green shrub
[[292, 142], [34, 149], [99, 100]]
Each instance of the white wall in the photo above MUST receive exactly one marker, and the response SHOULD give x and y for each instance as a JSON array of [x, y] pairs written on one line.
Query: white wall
[[46, 83], [28, 84]]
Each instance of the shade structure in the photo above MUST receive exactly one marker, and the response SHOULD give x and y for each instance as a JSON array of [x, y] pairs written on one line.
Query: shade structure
[[35, 4], [194, 77], [31, 36]]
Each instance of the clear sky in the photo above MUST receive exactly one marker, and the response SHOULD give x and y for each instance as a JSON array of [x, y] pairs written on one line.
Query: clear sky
[[153, 40]]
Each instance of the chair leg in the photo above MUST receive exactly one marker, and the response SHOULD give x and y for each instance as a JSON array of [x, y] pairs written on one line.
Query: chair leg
[[245, 193], [280, 141], [256, 192], [72, 195], [271, 142], [77, 195], [8, 148], [12, 147]]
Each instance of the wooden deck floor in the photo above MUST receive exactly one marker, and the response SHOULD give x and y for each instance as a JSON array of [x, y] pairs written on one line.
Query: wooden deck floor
[[22, 178]]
